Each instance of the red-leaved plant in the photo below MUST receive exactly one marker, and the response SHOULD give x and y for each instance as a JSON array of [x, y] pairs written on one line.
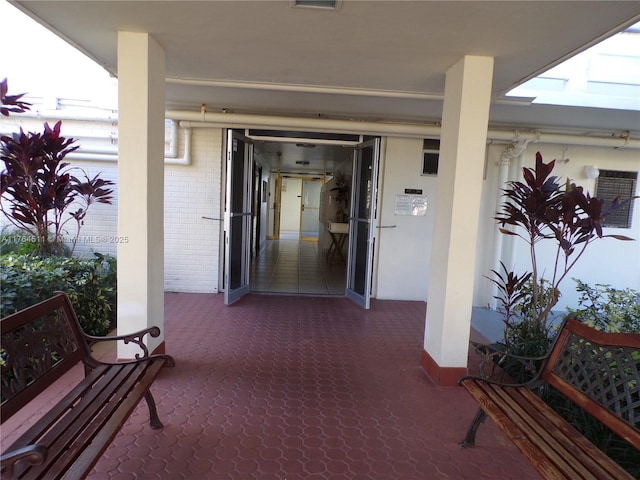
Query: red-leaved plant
[[39, 191], [536, 210], [11, 103]]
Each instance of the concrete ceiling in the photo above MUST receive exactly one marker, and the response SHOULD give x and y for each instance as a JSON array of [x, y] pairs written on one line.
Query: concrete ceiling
[[365, 60]]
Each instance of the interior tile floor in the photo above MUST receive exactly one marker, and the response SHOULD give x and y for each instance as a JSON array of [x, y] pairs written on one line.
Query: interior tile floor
[[291, 266], [280, 387]]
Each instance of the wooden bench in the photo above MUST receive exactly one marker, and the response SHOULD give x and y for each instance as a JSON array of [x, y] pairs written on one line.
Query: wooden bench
[[39, 345], [600, 372]]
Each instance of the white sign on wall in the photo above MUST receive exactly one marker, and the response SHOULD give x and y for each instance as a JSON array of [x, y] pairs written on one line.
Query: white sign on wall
[[413, 205]]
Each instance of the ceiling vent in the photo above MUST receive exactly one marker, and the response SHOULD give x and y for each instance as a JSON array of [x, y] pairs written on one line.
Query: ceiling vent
[[326, 4]]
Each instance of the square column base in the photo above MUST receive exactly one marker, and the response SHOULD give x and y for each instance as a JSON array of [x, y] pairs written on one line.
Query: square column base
[[441, 376]]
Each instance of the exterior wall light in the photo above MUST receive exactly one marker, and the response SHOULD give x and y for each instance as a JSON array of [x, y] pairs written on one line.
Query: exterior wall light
[[591, 172]]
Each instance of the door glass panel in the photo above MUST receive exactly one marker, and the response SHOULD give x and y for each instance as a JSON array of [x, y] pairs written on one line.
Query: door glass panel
[[235, 271], [237, 207], [360, 260]]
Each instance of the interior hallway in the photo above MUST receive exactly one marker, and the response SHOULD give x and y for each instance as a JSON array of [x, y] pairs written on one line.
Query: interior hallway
[[292, 266]]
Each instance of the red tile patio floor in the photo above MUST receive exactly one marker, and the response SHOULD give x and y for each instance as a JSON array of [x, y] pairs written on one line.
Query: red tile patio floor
[[293, 388]]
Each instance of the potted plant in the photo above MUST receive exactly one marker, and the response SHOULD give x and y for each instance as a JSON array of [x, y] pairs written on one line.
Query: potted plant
[[341, 197]]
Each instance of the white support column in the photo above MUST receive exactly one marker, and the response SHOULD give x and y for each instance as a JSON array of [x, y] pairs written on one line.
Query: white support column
[[462, 152], [141, 107]]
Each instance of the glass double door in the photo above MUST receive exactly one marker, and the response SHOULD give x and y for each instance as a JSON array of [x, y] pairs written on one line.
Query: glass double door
[[237, 218]]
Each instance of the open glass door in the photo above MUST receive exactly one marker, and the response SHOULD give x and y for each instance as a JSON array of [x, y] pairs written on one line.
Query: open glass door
[[362, 222], [237, 217]]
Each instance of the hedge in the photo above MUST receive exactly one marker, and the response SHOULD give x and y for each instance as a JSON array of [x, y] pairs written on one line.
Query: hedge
[[89, 283]]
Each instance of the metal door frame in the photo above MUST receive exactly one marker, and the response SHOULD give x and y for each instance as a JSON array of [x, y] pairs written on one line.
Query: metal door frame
[[237, 222], [362, 298]]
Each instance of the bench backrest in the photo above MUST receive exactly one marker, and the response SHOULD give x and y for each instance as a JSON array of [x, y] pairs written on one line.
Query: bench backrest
[[38, 345], [600, 372]]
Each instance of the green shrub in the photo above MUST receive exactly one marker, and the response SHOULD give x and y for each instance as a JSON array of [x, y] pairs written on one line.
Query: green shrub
[[110, 279], [27, 280], [607, 308]]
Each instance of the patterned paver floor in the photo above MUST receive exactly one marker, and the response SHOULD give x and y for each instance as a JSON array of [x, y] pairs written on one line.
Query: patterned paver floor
[[302, 388]]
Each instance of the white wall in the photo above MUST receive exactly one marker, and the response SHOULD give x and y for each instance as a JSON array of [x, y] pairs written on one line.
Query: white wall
[[404, 251]]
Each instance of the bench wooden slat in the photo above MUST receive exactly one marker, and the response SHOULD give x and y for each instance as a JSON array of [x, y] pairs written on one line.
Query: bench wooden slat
[[576, 444], [102, 425], [105, 434], [66, 436], [558, 450], [534, 427], [64, 431], [45, 422], [571, 452], [522, 442]]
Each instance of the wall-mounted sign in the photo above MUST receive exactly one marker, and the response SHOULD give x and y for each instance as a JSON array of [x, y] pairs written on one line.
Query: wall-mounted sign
[[413, 205], [413, 191]]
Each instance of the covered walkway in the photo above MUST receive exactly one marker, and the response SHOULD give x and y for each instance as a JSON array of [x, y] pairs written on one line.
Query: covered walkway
[[279, 387]]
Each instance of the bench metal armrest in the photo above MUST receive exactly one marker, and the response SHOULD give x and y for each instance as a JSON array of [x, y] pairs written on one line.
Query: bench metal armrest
[[493, 360], [34, 454], [135, 337]]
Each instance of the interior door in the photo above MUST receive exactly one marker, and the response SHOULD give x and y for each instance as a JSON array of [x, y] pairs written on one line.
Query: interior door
[[237, 217], [310, 206], [362, 222]]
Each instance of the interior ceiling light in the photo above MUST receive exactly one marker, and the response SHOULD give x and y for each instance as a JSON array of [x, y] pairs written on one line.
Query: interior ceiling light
[[330, 4]]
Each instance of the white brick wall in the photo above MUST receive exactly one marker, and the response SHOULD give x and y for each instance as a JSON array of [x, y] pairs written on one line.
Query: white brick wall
[[192, 243]]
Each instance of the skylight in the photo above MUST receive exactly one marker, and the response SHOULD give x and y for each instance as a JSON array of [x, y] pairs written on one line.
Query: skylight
[[606, 75]]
